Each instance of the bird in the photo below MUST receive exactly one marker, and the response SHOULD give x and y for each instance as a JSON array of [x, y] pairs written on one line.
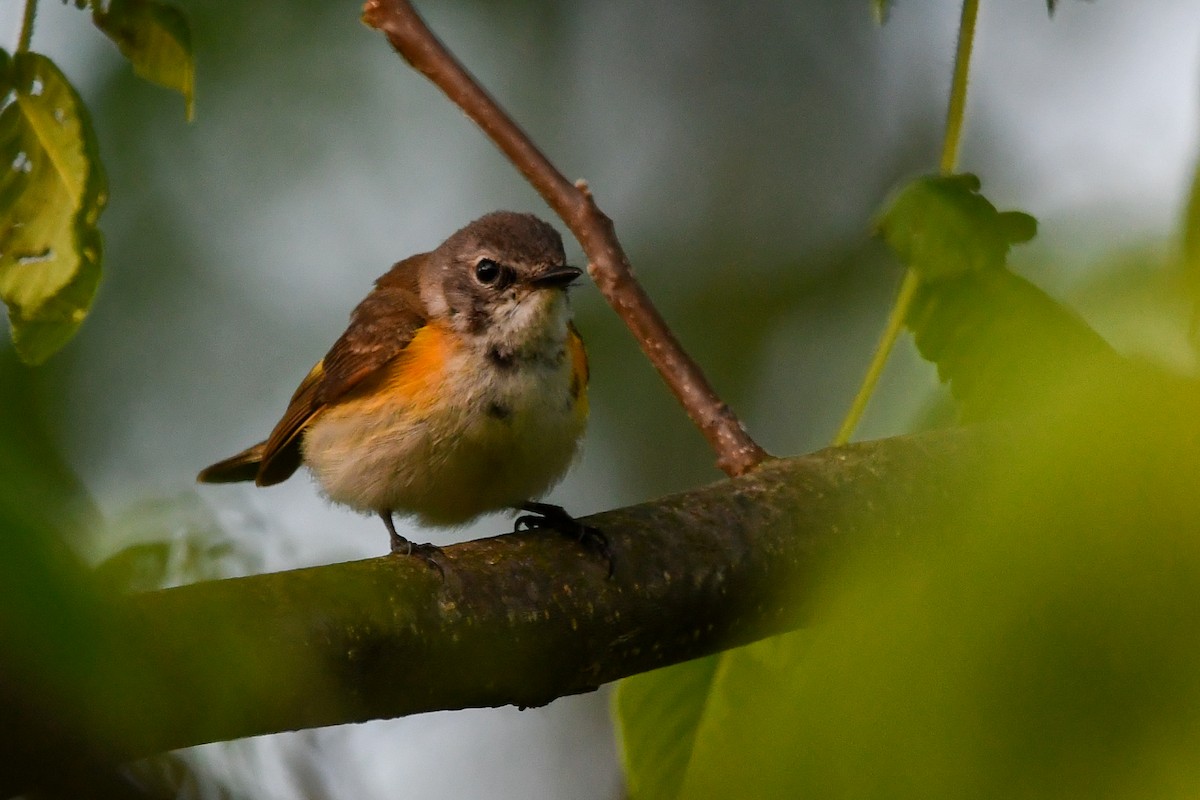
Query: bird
[[459, 388]]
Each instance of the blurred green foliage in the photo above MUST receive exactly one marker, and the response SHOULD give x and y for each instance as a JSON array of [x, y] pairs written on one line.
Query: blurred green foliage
[[72, 659], [1039, 642], [157, 40], [56, 631]]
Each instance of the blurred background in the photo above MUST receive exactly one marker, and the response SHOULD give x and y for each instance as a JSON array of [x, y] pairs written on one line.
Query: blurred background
[[741, 152]]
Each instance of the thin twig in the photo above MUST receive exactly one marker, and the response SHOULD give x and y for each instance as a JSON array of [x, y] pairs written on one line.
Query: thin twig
[[737, 453], [955, 113], [895, 324], [956, 109], [26, 36]]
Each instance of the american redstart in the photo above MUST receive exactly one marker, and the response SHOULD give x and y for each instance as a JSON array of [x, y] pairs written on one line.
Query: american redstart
[[459, 387]]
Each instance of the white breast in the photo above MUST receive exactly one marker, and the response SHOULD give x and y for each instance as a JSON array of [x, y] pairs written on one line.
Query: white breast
[[499, 434]]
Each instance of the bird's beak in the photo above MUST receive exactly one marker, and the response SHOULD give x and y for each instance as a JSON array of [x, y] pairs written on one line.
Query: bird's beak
[[556, 278]]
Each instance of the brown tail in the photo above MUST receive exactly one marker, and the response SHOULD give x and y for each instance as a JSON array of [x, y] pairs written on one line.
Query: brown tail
[[242, 467]]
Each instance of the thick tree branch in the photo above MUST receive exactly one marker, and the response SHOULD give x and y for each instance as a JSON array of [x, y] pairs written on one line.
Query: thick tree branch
[[520, 619], [609, 267]]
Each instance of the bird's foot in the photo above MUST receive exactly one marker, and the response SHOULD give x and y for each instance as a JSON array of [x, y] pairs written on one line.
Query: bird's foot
[[556, 518], [431, 554]]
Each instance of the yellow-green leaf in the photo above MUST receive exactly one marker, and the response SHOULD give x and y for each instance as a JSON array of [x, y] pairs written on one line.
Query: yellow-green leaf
[[660, 714], [672, 720], [1002, 343], [52, 190], [157, 40]]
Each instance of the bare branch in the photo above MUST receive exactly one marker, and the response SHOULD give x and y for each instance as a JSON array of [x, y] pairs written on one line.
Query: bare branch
[[520, 619], [609, 267]]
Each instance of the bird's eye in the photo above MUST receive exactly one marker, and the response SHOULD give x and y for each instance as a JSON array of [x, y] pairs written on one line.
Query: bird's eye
[[487, 271]]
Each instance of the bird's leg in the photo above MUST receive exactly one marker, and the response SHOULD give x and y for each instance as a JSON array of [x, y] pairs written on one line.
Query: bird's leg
[[429, 553], [399, 543], [556, 518]]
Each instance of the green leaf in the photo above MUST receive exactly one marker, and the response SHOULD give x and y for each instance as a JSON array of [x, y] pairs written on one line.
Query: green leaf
[[37, 480], [51, 195], [137, 568], [157, 40], [166, 541], [940, 226], [660, 714], [673, 721], [1000, 342], [881, 8]]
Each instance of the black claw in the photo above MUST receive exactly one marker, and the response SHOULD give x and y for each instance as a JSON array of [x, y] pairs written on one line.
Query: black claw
[[556, 518], [429, 553]]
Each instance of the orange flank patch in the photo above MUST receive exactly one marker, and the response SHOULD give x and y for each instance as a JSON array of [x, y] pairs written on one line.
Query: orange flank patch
[[412, 379], [579, 371]]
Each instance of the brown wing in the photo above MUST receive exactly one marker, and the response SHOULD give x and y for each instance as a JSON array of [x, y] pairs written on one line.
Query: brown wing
[[380, 328], [279, 455]]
